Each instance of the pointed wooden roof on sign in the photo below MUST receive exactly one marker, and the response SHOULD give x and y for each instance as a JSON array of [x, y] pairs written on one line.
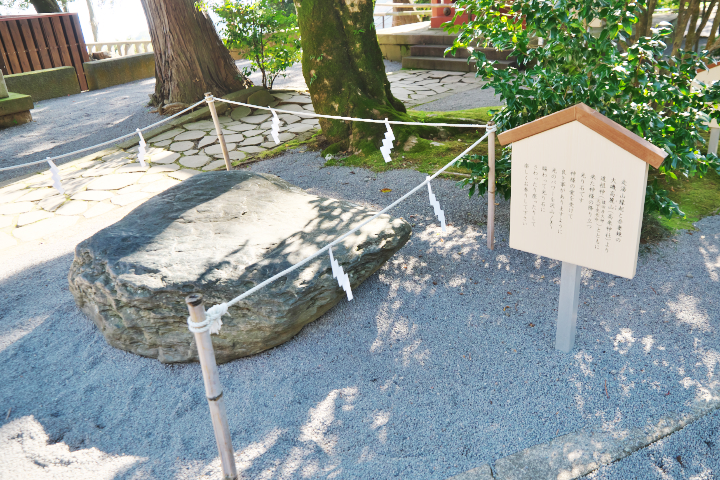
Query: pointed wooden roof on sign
[[600, 124]]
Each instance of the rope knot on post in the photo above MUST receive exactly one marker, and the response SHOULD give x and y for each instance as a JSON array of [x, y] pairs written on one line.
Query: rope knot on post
[[212, 320]]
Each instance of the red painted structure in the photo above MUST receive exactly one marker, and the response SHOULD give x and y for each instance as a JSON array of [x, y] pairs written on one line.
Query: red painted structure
[[445, 13]]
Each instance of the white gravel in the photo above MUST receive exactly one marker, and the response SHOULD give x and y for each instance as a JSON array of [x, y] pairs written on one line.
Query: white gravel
[[432, 370], [690, 454], [65, 124]]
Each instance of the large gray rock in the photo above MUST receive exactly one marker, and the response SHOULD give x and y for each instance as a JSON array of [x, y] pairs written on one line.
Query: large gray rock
[[220, 234]]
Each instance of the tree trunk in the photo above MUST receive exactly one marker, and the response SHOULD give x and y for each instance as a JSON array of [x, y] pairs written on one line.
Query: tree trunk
[[46, 6], [644, 24], [682, 21], [190, 58], [93, 20], [713, 30], [692, 25], [344, 70], [703, 21], [403, 19]]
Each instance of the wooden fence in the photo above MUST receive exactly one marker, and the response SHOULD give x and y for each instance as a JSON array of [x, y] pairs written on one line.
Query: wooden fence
[[37, 42]]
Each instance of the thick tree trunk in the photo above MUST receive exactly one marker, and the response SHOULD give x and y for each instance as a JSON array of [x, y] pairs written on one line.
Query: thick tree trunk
[[345, 73], [403, 19], [46, 6], [190, 58]]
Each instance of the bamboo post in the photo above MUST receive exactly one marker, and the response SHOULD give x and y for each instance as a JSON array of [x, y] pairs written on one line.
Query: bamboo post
[[491, 190], [213, 389], [218, 128]]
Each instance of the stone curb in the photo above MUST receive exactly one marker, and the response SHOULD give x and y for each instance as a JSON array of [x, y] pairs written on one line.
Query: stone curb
[[576, 454]]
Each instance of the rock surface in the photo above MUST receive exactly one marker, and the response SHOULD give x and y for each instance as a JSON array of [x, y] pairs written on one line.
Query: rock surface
[[220, 234]]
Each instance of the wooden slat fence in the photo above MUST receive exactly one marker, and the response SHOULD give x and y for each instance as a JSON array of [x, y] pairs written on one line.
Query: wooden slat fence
[[37, 42]]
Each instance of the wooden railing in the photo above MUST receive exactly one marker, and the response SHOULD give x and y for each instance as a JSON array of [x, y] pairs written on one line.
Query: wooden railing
[[38, 42], [121, 49]]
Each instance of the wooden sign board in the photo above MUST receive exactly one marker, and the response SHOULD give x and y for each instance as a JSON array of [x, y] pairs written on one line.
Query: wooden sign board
[[578, 192], [577, 197]]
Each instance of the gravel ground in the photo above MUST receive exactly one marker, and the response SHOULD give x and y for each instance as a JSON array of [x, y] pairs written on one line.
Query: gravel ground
[[65, 124], [443, 362], [690, 454]]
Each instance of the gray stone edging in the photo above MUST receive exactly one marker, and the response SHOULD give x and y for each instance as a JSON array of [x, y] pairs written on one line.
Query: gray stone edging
[[576, 454]]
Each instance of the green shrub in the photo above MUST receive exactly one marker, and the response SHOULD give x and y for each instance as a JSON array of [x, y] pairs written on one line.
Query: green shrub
[[634, 85], [269, 34]]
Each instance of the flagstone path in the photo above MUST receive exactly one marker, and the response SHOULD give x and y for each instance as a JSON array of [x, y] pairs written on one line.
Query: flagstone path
[[32, 210]]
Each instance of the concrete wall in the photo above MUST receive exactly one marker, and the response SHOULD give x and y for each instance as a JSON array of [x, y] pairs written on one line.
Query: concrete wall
[[44, 84], [115, 71]]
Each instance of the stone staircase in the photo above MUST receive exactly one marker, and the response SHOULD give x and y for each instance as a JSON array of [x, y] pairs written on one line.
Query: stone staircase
[[418, 46], [432, 57]]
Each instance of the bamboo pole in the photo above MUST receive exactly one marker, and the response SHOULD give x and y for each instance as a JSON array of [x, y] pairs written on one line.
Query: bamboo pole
[[491, 191], [218, 128], [213, 389]]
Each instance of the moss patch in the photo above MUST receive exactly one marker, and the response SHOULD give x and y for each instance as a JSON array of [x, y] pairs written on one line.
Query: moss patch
[[698, 198], [476, 115], [428, 154]]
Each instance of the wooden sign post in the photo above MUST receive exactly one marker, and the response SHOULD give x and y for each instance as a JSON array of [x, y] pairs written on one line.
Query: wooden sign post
[[578, 193]]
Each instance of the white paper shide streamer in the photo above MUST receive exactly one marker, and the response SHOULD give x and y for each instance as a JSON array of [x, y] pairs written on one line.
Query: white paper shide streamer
[[341, 276], [436, 205], [55, 173], [275, 128], [141, 149], [387, 143]]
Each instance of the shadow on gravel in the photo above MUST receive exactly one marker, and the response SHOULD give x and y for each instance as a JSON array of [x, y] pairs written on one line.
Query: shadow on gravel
[[443, 362], [66, 124]]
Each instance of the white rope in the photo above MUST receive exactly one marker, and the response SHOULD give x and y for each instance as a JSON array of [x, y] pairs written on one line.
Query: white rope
[[436, 206], [347, 234], [212, 320], [275, 128], [353, 119], [55, 173], [387, 143], [109, 142], [342, 277], [211, 98]]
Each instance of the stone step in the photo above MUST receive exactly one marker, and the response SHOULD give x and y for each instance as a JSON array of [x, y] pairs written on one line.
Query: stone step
[[439, 51], [448, 64], [436, 51]]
